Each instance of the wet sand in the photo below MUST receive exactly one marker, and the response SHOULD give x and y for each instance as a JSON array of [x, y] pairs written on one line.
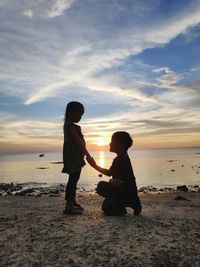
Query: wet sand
[[34, 232]]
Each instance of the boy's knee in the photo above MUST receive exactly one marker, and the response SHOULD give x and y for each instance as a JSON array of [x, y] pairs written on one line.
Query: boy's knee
[[100, 189]]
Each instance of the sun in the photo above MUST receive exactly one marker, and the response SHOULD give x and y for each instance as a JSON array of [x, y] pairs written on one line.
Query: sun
[[101, 142]]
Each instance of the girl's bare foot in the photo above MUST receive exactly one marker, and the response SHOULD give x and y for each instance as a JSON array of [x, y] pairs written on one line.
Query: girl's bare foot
[[78, 206], [70, 209]]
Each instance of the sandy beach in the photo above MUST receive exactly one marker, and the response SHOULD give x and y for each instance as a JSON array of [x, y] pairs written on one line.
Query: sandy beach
[[34, 232]]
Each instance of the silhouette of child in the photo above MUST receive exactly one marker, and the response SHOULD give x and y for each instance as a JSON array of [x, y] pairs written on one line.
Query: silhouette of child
[[74, 151], [121, 191]]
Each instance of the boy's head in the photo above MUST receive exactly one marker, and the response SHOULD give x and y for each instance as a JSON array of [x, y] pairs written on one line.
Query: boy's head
[[120, 141]]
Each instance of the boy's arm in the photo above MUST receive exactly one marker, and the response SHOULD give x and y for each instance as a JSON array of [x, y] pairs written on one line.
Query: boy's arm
[[102, 170], [79, 142]]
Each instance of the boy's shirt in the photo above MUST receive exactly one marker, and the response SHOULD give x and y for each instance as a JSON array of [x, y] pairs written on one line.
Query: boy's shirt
[[121, 169]]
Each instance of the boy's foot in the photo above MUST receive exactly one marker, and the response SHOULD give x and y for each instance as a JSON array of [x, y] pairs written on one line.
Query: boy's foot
[[115, 213], [121, 212], [136, 211], [78, 206]]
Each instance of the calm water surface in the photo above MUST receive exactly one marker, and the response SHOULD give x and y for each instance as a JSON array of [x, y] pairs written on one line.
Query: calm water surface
[[151, 167]]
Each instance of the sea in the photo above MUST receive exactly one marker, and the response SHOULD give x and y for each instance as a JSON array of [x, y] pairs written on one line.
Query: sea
[[153, 167]]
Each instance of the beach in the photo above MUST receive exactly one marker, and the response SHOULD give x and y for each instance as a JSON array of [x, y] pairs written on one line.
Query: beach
[[34, 232]]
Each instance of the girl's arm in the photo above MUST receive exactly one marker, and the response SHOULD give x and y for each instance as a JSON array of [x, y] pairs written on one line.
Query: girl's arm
[[79, 141], [98, 168]]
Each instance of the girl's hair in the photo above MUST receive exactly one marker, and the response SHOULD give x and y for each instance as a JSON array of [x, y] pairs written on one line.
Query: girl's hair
[[73, 106], [124, 138]]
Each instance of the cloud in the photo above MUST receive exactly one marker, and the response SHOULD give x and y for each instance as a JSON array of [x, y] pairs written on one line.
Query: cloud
[[168, 77], [155, 124], [91, 53], [87, 63], [16, 130], [56, 62], [195, 69], [59, 6], [179, 24], [47, 91], [28, 13]]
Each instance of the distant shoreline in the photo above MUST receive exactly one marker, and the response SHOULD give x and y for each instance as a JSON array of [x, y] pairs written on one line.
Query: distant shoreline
[[3, 153]]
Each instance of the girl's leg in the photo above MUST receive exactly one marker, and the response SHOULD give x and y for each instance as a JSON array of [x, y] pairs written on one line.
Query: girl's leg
[[70, 193]]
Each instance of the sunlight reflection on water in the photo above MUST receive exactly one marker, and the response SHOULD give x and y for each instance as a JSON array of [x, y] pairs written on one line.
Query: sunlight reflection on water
[[151, 167], [101, 159]]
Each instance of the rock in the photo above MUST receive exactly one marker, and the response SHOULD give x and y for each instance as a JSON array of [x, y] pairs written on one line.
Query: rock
[[172, 170], [9, 193], [181, 198], [54, 195], [24, 192], [41, 155], [168, 189], [70, 261], [182, 188], [44, 192], [16, 187], [5, 187], [62, 188], [11, 187], [54, 191], [147, 189], [29, 194], [143, 189]]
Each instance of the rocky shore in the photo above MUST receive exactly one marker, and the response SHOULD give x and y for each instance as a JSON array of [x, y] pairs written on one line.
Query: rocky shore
[[55, 190]]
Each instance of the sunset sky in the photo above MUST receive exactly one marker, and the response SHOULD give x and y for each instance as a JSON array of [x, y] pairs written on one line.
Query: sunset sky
[[134, 64]]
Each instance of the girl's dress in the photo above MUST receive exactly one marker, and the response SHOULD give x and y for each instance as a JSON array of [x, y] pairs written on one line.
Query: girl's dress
[[73, 157]]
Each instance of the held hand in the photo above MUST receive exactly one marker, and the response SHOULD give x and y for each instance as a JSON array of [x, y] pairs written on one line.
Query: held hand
[[91, 161]]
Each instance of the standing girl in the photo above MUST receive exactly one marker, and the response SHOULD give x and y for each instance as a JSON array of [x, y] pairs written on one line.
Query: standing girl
[[74, 151]]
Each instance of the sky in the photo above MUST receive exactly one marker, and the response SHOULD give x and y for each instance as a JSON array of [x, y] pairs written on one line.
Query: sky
[[134, 64]]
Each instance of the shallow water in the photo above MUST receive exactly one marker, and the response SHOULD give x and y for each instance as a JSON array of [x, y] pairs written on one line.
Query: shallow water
[[159, 168]]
